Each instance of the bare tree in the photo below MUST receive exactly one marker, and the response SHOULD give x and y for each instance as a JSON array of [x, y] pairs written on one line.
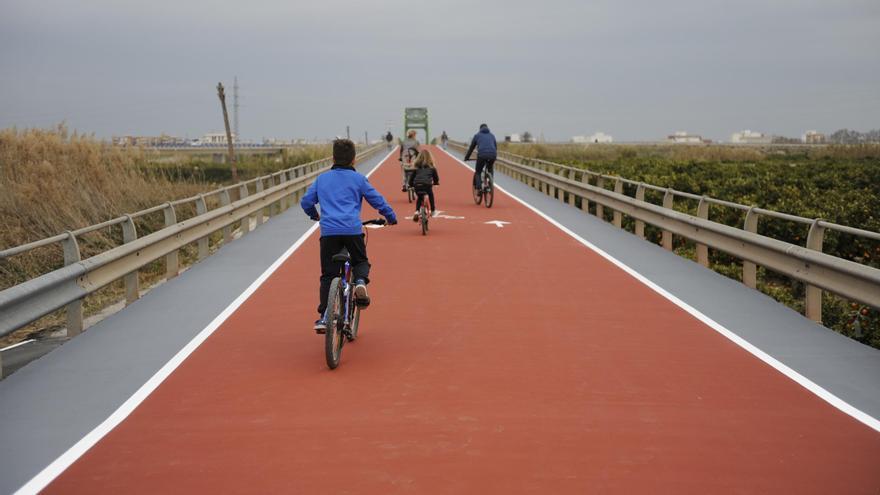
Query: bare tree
[[222, 96]]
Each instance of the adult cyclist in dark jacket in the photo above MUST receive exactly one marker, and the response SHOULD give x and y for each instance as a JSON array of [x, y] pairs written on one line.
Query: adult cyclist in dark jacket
[[487, 152]]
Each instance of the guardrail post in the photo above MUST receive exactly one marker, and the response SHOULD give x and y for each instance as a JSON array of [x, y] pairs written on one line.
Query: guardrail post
[[640, 196], [129, 234], [571, 176], [261, 211], [272, 210], [225, 200], [201, 209], [600, 210], [618, 217], [702, 249], [542, 185], [285, 200], [277, 180], [172, 265], [536, 183], [74, 309], [246, 221], [668, 200], [815, 239], [750, 270], [585, 203]]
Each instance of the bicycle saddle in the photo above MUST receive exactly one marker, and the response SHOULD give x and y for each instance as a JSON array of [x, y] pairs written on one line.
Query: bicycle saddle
[[342, 256]]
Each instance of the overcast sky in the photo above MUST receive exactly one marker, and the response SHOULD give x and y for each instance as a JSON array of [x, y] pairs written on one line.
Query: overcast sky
[[636, 69]]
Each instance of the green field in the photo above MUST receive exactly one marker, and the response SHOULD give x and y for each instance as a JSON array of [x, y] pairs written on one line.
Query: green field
[[840, 184]]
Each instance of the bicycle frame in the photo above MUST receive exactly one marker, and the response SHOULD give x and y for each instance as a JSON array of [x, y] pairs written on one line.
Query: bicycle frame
[[346, 294]]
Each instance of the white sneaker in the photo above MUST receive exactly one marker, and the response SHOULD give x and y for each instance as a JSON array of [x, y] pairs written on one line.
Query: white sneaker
[[360, 295]]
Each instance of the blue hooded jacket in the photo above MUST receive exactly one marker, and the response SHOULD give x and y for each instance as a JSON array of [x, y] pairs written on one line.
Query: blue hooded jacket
[[340, 192], [485, 143]]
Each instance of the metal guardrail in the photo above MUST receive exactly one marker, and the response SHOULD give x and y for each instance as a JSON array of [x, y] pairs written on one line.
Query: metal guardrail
[[807, 264], [67, 286]]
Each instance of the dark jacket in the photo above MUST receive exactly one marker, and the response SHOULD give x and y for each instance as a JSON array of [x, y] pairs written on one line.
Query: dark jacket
[[485, 144], [424, 177]]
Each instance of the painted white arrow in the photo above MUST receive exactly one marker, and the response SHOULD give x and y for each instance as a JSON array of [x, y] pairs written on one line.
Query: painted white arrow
[[498, 223], [440, 214]]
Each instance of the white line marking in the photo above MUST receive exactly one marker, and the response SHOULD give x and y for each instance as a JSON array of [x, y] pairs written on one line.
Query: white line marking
[[50, 472], [803, 381], [442, 214], [498, 223], [13, 346]]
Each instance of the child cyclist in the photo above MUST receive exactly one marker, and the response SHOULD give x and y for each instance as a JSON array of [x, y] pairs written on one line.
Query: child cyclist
[[423, 180], [340, 192]]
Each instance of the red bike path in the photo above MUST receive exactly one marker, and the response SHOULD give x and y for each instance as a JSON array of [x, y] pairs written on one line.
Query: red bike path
[[494, 359]]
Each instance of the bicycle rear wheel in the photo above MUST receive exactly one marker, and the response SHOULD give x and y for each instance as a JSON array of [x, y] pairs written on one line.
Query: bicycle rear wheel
[[423, 219], [489, 195], [411, 194], [333, 338]]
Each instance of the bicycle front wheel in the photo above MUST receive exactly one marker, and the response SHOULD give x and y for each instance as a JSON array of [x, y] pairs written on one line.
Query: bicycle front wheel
[[478, 195], [489, 195], [333, 338], [355, 321]]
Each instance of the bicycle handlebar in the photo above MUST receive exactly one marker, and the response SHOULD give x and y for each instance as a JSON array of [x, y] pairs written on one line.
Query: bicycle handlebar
[[375, 221]]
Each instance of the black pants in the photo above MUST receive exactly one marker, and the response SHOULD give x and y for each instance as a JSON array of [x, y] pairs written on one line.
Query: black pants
[[421, 191], [330, 246], [482, 162]]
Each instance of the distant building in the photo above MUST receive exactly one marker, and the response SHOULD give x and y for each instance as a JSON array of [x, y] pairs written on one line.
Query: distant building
[[597, 138], [215, 139], [513, 138], [814, 137], [148, 141], [276, 142], [750, 137], [683, 137]]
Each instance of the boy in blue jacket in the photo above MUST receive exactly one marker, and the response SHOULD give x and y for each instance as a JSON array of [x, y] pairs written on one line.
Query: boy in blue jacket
[[340, 192]]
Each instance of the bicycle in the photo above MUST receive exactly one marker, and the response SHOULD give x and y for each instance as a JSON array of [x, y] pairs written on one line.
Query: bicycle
[[424, 212], [411, 155], [486, 193], [343, 314]]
